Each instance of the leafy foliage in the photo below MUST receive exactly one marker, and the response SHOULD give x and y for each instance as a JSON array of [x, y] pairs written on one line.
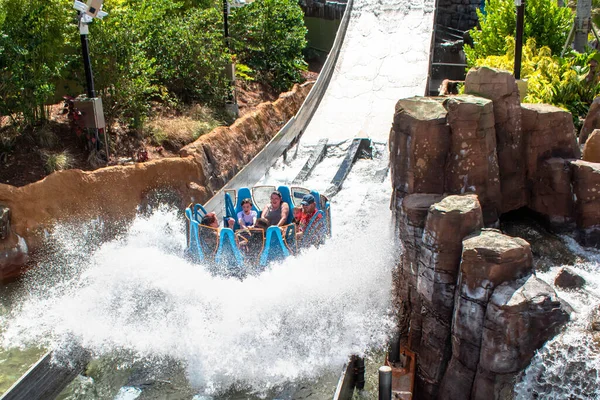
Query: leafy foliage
[[564, 82], [545, 22], [32, 45], [269, 36]]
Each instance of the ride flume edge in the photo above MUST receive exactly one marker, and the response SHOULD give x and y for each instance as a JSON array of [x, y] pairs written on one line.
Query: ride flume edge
[[45, 379], [316, 157], [358, 145]]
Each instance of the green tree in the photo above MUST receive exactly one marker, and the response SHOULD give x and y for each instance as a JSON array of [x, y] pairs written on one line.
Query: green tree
[[269, 36], [545, 22], [33, 41]]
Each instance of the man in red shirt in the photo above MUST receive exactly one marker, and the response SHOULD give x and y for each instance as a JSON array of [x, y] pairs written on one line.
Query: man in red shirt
[[309, 208]]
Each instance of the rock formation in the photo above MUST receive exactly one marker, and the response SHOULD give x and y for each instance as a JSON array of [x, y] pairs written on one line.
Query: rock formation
[[591, 149], [446, 146], [469, 303], [591, 122], [501, 88]]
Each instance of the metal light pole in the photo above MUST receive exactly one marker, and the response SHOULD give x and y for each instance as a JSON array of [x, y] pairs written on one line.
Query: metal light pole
[[92, 111], [519, 37]]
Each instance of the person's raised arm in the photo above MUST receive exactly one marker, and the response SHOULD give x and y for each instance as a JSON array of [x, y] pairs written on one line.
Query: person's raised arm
[[285, 211]]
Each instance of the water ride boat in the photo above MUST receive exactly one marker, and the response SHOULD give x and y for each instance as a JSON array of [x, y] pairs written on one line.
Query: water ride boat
[[240, 250]]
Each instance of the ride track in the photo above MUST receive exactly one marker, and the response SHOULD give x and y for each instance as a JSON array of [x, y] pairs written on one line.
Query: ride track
[[380, 55]]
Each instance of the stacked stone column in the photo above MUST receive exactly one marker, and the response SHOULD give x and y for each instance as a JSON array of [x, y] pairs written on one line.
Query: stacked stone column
[[488, 260], [448, 222]]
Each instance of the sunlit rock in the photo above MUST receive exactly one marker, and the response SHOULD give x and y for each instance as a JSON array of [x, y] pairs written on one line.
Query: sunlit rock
[[472, 165], [501, 88], [591, 149]]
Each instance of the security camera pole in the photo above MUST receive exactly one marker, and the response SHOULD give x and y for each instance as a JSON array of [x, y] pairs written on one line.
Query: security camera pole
[[94, 115]]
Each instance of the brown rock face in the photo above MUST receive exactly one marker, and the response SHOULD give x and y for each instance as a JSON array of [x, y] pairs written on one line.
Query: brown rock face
[[448, 222], [488, 260], [501, 88], [567, 279], [548, 133], [551, 192], [13, 256], [586, 187], [591, 150], [472, 165], [521, 316], [419, 142], [592, 121], [411, 222]]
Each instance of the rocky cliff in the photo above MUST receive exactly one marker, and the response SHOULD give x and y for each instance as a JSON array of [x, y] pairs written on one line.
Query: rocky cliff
[[469, 303]]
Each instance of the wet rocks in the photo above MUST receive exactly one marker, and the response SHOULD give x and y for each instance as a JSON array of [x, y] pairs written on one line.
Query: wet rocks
[[489, 259], [567, 279], [13, 256], [520, 317]]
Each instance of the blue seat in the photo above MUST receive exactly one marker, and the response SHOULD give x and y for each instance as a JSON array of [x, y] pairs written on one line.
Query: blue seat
[[286, 197]]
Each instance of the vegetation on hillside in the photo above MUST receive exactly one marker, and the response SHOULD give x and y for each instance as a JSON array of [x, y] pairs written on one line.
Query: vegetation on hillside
[[167, 52], [565, 81]]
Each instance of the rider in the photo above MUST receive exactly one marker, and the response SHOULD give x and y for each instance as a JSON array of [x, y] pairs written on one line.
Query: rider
[[276, 212], [247, 217], [309, 208]]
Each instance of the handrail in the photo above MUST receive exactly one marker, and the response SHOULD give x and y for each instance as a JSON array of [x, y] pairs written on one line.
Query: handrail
[[255, 169]]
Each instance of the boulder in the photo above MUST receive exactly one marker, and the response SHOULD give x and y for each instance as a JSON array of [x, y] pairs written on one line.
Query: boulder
[[521, 316], [548, 132], [567, 279], [591, 122], [501, 88], [591, 149], [472, 165], [14, 254], [551, 193], [419, 142], [4, 222], [489, 259], [586, 188]]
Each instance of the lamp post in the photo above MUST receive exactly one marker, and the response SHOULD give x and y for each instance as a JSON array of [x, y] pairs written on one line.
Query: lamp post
[[519, 37], [231, 104], [92, 111]]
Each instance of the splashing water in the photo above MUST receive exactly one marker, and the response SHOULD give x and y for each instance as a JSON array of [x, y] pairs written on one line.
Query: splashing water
[[136, 295], [568, 366]]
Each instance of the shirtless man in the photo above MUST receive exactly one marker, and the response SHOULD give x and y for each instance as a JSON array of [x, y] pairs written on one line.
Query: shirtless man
[[276, 212]]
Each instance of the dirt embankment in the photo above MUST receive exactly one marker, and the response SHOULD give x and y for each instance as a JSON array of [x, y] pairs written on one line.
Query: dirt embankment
[[114, 193]]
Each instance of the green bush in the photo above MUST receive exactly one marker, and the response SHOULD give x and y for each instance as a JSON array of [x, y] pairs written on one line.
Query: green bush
[[563, 82], [269, 36], [191, 57], [33, 41], [545, 22]]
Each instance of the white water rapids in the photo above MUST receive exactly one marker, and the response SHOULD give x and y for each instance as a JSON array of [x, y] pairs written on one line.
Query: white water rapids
[[136, 296]]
